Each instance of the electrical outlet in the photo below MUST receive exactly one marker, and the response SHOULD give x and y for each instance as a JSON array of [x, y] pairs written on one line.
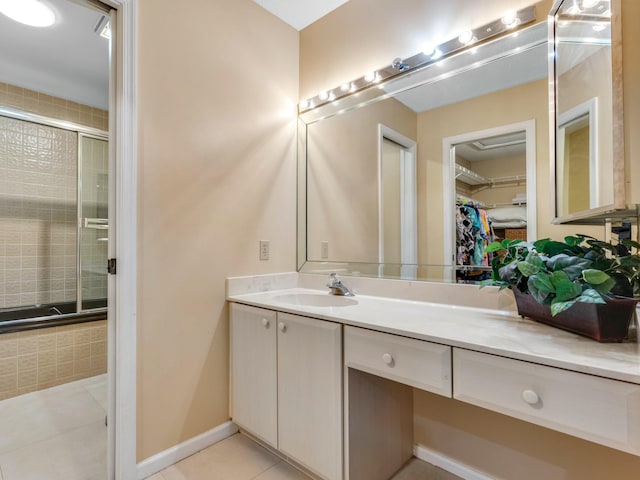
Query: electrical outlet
[[324, 250], [264, 249]]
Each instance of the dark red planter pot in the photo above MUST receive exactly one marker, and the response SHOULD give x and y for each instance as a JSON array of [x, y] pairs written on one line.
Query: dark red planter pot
[[603, 322]]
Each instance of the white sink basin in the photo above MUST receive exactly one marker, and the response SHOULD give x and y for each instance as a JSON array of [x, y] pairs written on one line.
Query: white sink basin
[[315, 300]]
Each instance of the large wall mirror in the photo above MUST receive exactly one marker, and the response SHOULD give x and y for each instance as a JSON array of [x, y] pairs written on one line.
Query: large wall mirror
[[586, 74], [379, 173]]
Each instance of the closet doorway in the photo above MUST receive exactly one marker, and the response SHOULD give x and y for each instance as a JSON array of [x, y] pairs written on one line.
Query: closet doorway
[[397, 209], [489, 195]]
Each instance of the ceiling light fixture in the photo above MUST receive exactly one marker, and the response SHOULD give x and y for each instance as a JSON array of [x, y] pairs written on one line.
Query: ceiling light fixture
[[28, 12], [430, 55]]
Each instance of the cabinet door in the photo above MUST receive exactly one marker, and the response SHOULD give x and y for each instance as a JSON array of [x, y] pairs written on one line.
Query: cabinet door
[[253, 371], [310, 393]]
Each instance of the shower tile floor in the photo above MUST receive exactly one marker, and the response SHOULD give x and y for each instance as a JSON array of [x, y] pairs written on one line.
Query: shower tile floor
[[55, 434], [240, 458]]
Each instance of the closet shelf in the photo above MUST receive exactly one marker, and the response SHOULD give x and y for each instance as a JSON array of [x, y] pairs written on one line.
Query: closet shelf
[[472, 178]]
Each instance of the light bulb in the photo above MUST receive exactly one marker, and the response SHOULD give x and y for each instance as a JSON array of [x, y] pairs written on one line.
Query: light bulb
[[429, 49], [29, 12], [437, 54], [370, 76], [510, 18], [304, 104], [589, 3], [345, 87], [465, 37]]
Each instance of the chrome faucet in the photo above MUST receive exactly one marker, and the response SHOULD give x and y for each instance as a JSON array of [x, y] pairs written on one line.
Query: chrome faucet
[[337, 287]]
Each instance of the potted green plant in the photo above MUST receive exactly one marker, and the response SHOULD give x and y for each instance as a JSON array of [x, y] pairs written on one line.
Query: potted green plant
[[583, 285]]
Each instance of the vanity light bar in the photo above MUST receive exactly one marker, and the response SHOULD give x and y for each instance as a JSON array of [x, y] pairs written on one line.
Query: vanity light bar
[[511, 21]]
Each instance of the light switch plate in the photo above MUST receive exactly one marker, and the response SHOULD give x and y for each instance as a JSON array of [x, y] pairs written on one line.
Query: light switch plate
[[264, 249]]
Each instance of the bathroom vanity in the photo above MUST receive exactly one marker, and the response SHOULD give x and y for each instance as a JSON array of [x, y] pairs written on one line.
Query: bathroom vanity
[[327, 380]]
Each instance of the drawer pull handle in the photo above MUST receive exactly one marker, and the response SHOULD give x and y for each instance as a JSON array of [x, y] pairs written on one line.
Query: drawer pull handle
[[265, 322], [388, 359], [530, 397], [282, 326]]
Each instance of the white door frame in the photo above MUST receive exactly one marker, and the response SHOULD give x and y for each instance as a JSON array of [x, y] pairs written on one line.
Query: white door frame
[[122, 244], [408, 201], [449, 182]]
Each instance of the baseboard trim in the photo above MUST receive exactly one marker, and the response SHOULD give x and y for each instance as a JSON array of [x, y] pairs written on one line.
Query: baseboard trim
[[172, 455], [449, 464]]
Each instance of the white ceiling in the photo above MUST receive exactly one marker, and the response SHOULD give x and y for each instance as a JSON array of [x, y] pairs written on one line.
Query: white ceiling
[[67, 60], [300, 13]]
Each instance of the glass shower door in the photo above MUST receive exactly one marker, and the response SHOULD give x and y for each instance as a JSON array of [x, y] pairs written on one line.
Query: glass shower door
[[93, 217]]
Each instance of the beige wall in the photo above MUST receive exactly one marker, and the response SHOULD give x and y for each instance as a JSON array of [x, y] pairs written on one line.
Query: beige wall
[[343, 179], [217, 94], [363, 35]]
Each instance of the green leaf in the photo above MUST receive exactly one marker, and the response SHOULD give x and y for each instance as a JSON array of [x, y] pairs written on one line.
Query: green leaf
[[606, 287], [630, 244], [590, 296], [540, 295], [565, 289], [552, 248], [539, 244], [527, 269], [595, 277], [559, 307], [493, 247], [542, 282], [572, 266], [507, 272]]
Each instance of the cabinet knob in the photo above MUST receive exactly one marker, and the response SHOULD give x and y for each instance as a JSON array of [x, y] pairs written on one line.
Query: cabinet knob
[[282, 326], [388, 359], [530, 397], [265, 322]]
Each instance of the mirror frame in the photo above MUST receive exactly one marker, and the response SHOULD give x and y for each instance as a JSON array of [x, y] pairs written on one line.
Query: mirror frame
[[617, 209]]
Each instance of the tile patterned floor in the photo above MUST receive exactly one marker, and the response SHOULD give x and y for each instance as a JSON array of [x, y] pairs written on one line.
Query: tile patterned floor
[[59, 434], [55, 434], [239, 458]]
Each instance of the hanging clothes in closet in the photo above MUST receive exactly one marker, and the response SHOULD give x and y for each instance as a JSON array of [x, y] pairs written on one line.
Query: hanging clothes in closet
[[473, 234]]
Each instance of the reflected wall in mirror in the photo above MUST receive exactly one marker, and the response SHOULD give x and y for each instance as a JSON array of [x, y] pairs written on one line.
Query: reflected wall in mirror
[[589, 164]]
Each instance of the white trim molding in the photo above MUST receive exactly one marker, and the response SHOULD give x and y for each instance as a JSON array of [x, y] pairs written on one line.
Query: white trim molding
[[449, 464], [172, 455], [123, 244]]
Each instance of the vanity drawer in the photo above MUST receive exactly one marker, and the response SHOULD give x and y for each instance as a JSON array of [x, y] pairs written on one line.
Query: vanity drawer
[[598, 409], [418, 363]]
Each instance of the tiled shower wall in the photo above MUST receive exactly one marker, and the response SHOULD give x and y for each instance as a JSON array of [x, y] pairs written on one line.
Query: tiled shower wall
[[38, 196], [38, 190], [46, 357]]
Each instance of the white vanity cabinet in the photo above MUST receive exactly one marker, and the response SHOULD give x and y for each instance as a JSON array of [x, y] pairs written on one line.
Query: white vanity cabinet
[[286, 385], [599, 409]]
